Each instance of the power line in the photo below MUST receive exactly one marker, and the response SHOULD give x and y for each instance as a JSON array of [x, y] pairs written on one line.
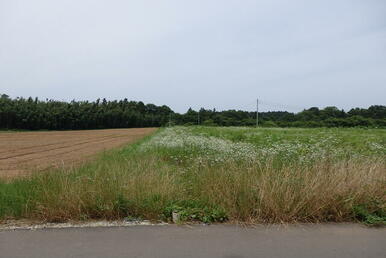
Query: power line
[[269, 103], [274, 106]]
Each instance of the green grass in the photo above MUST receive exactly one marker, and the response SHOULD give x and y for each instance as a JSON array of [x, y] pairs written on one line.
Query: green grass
[[213, 174]]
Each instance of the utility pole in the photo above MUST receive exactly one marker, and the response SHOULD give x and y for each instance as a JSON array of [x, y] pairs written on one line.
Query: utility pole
[[198, 117], [257, 112]]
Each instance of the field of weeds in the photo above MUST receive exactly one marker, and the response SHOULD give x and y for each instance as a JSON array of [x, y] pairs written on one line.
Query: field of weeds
[[212, 174]]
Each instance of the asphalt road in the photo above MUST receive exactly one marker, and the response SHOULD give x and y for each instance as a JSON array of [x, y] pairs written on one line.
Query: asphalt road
[[331, 240]]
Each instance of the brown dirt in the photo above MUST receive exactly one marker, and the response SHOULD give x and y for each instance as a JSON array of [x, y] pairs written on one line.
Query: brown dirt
[[21, 153]]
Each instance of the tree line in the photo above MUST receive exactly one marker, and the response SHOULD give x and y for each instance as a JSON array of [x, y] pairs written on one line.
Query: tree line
[[374, 116], [34, 114]]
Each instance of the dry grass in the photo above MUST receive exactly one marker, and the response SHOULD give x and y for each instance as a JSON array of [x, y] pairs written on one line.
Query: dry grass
[[324, 191], [251, 193], [108, 190], [151, 184]]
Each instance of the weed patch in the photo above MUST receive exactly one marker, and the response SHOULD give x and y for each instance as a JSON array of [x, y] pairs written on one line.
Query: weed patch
[[189, 210], [208, 174]]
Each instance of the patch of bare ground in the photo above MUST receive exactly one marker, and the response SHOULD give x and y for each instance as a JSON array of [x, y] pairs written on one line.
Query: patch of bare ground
[[21, 153]]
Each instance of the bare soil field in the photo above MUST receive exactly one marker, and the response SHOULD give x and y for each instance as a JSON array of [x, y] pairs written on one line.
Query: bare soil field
[[21, 153]]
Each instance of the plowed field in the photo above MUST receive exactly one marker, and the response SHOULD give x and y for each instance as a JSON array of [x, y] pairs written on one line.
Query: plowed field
[[24, 152]]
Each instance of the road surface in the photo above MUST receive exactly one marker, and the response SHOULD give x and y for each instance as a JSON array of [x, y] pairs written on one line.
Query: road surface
[[328, 240]]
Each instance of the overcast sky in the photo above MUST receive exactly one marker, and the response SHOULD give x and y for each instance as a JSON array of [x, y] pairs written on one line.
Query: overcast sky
[[219, 54]]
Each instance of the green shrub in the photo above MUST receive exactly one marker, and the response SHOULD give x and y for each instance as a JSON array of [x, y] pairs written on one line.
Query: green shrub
[[190, 210]]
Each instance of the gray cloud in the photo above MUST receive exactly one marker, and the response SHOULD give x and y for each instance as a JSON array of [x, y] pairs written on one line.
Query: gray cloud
[[220, 54]]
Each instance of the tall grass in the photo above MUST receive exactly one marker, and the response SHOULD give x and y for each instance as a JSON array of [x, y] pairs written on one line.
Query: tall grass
[[151, 179], [324, 191], [110, 188]]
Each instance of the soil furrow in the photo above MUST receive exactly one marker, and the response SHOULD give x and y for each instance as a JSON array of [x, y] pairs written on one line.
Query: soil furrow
[[23, 152]]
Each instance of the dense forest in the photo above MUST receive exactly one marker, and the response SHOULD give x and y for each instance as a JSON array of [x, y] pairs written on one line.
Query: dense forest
[[35, 114]]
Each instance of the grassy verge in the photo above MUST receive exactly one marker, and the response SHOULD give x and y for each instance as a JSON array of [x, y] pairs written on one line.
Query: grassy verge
[[217, 174]]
